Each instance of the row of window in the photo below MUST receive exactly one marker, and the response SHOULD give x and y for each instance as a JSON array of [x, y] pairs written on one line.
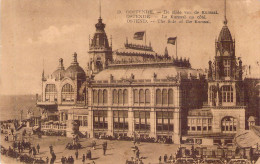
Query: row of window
[[199, 128], [120, 96], [100, 96], [228, 125], [83, 120], [226, 94], [140, 96], [192, 121], [164, 97], [164, 120], [67, 93]]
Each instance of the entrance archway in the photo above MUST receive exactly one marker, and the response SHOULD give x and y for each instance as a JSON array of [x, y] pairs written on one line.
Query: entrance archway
[[229, 124]]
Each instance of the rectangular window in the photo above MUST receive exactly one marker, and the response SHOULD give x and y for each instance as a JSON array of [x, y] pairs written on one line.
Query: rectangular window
[[120, 120], [204, 128], [142, 120], [100, 119], [210, 128], [164, 121], [85, 121], [198, 128], [193, 128]]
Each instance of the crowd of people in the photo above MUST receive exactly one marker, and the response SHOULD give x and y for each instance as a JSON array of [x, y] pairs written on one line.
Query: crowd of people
[[138, 139]]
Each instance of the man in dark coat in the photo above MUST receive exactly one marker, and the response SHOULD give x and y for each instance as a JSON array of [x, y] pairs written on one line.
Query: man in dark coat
[[77, 154], [72, 160], [165, 158], [53, 157], [62, 160], [38, 148], [83, 158], [51, 149], [104, 148]]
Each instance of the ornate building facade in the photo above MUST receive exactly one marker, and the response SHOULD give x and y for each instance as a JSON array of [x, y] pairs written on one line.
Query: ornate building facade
[[134, 91]]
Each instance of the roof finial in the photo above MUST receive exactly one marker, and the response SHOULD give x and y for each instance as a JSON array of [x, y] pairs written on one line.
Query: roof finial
[[225, 8], [99, 8], [43, 69]]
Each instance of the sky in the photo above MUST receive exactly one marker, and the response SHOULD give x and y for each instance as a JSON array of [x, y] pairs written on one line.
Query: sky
[[36, 33]]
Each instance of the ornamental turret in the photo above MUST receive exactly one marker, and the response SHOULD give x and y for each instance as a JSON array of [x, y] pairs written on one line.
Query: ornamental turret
[[99, 51]]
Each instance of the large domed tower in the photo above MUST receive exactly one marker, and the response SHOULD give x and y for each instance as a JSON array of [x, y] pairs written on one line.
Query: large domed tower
[[99, 50]]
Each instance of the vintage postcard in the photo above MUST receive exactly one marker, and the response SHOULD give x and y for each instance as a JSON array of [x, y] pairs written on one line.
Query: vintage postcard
[[130, 81]]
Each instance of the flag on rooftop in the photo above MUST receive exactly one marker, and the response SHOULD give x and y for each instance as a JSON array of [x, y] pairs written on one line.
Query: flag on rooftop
[[172, 40], [139, 35]]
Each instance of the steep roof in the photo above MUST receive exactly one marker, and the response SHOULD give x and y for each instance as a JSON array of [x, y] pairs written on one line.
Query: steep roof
[[145, 72], [248, 138]]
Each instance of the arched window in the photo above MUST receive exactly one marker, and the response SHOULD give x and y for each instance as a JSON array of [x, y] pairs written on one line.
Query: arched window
[[229, 125], [170, 96], [67, 93], [125, 93], [95, 96], [120, 96], [115, 97], [100, 96], [141, 96], [105, 96], [158, 97], [147, 96], [227, 93], [164, 96], [135, 96], [50, 93]]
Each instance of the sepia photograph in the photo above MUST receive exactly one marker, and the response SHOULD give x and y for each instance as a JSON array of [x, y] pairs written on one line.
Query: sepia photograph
[[130, 81]]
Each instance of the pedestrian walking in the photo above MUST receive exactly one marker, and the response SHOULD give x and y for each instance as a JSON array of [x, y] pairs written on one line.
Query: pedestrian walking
[[137, 154], [53, 157], [77, 154], [93, 145], [104, 148], [34, 151], [62, 160], [38, 148], [160, 159], [83, 158], [165, 158], [51, 149]]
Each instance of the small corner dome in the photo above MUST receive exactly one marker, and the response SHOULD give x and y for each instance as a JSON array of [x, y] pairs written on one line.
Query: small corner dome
[[60, 72], [75, 70], [252, 119]]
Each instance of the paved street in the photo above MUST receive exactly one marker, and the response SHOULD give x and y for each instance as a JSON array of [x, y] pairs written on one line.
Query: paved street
[[117, 152]]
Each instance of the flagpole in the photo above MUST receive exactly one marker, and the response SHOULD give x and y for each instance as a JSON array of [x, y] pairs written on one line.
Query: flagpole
[[145, 38], [176, 47]]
